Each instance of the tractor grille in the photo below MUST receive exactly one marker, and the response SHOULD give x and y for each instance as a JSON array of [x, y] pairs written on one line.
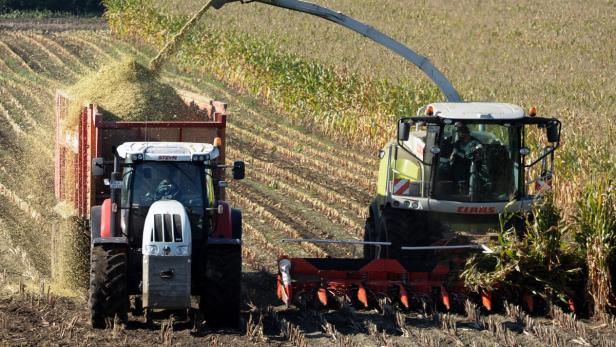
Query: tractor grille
[[167, 228]]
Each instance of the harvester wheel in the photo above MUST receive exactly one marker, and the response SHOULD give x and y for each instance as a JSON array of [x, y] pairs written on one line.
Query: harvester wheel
[[407, 228], [220, 298], [369, 235], [108, 290]]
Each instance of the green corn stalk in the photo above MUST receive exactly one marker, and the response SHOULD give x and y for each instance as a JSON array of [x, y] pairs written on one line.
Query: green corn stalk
[[596, 221]]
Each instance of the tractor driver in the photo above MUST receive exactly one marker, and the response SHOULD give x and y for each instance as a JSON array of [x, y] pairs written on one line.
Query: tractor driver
[[462, 154]]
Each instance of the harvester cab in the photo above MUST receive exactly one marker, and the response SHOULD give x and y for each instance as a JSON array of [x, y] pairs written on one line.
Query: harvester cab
[[454, 168], [164, 236]]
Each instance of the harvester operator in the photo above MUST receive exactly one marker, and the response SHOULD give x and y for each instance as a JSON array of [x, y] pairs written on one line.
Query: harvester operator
[[463, 151]]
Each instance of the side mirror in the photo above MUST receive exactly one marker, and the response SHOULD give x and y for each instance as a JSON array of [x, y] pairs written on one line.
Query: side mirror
[[239, 171], [553, 131], [404, 130], [98, 168]]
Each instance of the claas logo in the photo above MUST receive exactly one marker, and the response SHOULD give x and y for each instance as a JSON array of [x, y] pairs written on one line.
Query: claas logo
[[476, 210]]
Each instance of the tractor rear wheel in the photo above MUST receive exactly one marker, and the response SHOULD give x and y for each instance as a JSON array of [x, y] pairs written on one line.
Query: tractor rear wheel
[[108, 289], [407, 228], [220, 296]]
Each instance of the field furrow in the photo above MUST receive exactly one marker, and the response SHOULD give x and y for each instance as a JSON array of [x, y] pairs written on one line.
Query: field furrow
[[354, 225], [271, 133], [308, 162], [350, 208], [62, 52], [15, 58], [44, 56], [85, 54], [273, 223], [306, 223], [296, 163], [32, 95], [310, 222], [86, 45]]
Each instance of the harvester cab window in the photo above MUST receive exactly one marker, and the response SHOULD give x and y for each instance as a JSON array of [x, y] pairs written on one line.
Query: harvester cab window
[[477, 162]]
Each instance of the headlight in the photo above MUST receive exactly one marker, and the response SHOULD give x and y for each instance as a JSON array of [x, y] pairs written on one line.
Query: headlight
[[150, 250], [183, 250]]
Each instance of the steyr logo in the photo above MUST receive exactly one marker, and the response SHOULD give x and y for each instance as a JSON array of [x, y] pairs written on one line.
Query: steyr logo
[[167, 157], [476, 210]]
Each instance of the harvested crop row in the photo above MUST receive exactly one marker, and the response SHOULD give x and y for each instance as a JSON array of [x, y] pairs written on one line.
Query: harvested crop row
[[17, 59], [358, 184], [333, 183], [316, 204], [53, 64], [23, 128], [304, 222], [85, 44], [11, 121], [32, 57], [26, 121], [85, 54], [350, 207], [324, 156], [37, 97], [24, 206], [274, 222], [62, 52], [310, 223]]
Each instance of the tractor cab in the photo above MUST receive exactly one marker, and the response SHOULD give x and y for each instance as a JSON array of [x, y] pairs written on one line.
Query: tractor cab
[[166, 171]]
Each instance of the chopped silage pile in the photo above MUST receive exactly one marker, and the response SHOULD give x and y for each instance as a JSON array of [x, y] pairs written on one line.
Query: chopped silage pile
[[126, 90]]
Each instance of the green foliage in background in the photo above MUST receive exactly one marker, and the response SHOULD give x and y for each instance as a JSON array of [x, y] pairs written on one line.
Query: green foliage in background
[[596, 235]]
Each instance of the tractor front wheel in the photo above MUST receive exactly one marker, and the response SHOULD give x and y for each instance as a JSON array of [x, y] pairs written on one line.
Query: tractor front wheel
[[108, 290]]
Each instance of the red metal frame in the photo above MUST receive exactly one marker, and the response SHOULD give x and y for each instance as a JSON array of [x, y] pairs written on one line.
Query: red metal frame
[[373, 279]]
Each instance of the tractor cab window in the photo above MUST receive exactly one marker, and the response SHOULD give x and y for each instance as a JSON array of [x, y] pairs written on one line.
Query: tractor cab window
[[477, 162], [153, 181]]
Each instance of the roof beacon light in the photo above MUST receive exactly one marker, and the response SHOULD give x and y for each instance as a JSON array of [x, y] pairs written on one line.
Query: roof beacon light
[[430, 110], [217, 142], [532, 111]]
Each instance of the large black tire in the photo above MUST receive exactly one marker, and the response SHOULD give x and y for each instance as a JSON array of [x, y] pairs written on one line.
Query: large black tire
[[108, 289], [220, 298], [236, 223], [369, 236], [407, 228]]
